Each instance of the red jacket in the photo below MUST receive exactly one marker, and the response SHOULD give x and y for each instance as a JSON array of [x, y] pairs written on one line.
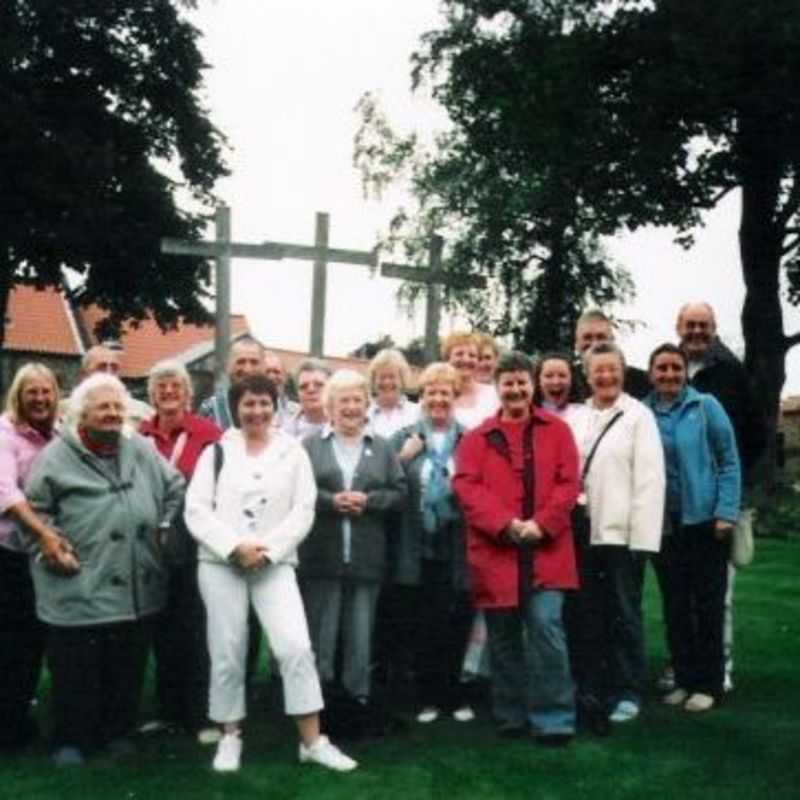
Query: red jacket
[[490, 492]]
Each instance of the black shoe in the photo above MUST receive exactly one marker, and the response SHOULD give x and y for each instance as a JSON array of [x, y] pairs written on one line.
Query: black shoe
[[511, 730]]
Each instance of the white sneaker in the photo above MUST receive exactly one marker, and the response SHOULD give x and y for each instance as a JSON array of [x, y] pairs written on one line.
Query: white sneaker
[[428, 714], [464, 714], [677, 697], [326, 754], [229, 753], [624, 711], [209, 735]]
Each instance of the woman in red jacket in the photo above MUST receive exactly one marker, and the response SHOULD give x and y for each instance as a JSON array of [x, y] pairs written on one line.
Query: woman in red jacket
[[517, 481]]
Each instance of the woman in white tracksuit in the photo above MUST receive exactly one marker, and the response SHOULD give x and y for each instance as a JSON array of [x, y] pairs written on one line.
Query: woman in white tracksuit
[[249, 510]]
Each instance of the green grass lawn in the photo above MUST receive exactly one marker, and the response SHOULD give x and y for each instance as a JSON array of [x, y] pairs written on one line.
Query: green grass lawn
[[749, 748]]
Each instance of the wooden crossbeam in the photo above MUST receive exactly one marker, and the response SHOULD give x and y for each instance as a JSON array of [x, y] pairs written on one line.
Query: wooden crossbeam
[[434, 276]]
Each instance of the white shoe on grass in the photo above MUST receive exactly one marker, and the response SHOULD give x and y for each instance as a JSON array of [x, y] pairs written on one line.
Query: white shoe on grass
[[428, 714], [326, 754], [229, 753], [624, 711], [677, 697], [464, 714]]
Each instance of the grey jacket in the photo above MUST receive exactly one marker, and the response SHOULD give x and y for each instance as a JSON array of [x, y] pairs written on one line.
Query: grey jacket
[[410, 546], [111, 516], [380, 476]]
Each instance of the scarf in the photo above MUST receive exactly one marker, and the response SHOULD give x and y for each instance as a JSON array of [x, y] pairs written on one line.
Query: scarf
[[438, 501], [104, 444]]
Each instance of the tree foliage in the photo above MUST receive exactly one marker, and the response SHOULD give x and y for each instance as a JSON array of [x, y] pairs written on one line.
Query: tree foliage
[[639, 112], [502, 216], [99, 100]]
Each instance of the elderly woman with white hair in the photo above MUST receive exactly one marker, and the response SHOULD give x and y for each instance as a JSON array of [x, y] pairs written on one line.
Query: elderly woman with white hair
[[343, 560], [179, 642], [25, 429], [109, 494]]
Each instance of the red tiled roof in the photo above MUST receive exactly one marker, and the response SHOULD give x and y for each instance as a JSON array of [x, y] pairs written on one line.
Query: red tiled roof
[[293, 358], [39, 321], [148, 344]]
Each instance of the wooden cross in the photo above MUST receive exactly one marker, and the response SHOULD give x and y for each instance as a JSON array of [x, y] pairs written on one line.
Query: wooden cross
[[435, 277], [222, 249]]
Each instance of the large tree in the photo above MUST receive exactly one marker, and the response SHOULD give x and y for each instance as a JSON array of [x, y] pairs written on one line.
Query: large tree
[[650, 112], [504, 216], [99, 105]]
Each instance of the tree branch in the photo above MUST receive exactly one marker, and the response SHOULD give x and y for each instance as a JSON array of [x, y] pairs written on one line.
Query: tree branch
[[786, 249], [789, 207], [790, 341]]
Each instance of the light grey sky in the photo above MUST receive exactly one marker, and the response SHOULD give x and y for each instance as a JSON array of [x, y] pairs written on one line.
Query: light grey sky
[[285, 77]]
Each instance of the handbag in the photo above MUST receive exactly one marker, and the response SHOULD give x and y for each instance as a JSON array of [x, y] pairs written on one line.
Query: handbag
[[743, 544]]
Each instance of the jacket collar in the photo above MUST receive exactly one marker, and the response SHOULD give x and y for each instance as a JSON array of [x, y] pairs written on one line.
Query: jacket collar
[[493, 423]]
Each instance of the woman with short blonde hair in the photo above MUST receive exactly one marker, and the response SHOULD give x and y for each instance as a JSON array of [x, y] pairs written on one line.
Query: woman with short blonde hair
[[477, 401], [390, 378]]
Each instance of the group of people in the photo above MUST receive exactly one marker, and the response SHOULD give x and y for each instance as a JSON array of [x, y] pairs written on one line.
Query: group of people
[[364, 531]]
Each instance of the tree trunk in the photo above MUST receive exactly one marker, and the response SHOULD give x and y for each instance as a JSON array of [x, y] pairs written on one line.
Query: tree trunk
[[760, 242], [5, 292]]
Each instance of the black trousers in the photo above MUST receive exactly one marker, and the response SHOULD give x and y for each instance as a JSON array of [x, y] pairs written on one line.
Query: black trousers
[[443, 618], [21, 648], [181, 652], [97, 673], [693, 572], [605, 629]]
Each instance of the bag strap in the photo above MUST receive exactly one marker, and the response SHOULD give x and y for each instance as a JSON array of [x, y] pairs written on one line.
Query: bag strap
[[590, 457], [219, 460]]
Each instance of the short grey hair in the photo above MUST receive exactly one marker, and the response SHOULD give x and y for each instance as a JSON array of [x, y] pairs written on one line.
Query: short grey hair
[[603, 349], [169, 368], [312, 365], [80, 398]]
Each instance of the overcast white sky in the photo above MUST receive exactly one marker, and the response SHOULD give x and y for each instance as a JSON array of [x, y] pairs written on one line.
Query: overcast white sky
[[285, 77]]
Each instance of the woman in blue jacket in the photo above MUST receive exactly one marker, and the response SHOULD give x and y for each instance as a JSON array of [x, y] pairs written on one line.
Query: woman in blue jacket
[[702, 504]]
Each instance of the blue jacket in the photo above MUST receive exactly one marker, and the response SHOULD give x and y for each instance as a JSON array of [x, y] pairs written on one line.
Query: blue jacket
[[707, 458]]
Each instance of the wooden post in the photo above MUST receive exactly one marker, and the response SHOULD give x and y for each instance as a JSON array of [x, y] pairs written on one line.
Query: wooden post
[[435, 276], [222, 333], [319, 285], [433, 306]]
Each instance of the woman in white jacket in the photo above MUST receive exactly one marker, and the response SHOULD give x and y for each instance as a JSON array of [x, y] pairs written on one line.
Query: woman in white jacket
[[249, 506], [624, 482]]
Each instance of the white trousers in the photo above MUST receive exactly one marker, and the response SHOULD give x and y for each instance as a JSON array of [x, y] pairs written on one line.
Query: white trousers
[[228, 593]]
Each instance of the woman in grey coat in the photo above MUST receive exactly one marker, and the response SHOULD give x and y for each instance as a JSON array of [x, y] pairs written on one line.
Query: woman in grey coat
[[111, 496], [343, 560], [430, 569]]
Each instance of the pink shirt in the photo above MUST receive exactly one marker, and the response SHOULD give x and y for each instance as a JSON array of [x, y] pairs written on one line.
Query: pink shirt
[[19, 446]]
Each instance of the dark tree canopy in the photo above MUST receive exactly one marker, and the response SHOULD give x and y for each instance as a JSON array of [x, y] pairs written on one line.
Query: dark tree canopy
[[99, 100]]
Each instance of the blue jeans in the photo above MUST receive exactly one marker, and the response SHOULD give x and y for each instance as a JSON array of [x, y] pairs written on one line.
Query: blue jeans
[[530, 665]]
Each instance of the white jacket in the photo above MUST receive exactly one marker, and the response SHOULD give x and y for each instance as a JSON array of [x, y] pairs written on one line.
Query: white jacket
[[270, 497], [626, 482]]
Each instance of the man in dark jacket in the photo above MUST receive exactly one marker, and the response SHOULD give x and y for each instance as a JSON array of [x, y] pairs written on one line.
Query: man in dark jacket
[[715, 370], [594, 326]]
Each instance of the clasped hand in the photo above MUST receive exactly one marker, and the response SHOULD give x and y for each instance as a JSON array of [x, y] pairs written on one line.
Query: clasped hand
[[350, 502], [250, 555], [520, 531], [58, 554]]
